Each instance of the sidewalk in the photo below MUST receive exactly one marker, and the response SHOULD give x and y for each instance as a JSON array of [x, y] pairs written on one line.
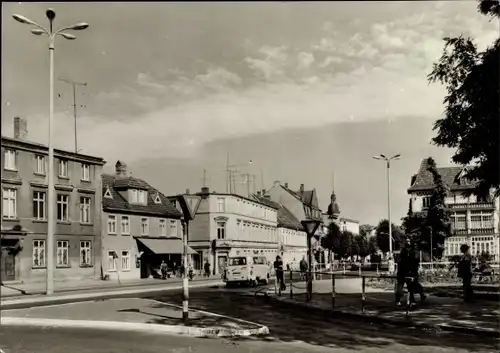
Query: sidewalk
[[23, 289], [132, 314]]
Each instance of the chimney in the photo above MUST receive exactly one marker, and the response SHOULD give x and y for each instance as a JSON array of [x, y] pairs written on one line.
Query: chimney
[[20, 128], [121, 169], [267, 196], [286, 185], [258, 193], [205, 190], [276, 183], [187, 191], [301, 188]]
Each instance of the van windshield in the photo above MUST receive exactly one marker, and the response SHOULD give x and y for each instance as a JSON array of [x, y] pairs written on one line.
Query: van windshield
[[237, 261], [259, 260]]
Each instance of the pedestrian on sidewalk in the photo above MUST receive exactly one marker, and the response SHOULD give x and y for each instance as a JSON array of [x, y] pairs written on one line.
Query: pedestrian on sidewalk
[[414, 267], [163, 269], [206, 267], [464, 269], [303, 268], [403, 274], [278, 267]]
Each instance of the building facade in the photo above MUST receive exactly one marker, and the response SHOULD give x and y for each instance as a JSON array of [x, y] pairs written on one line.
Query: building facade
[[24, 205], [475, 220], [350, 225], [228, 225], [140, 227]]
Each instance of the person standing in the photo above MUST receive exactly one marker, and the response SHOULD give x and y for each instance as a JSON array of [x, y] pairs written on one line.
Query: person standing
[[206, 267], [403, 274], [303, 268], [414, 267], [163, 269], [465, 272], [278, 267]]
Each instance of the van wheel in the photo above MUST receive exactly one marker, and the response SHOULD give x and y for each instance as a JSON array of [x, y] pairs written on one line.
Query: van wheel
[[253, 283]]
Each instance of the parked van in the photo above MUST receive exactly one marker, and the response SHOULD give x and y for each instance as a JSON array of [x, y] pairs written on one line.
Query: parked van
[[247, 269]]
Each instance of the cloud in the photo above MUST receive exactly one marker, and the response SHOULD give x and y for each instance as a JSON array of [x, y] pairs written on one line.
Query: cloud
[[271, 63], [331, 60], [219, 79], [146, 81], [305, 60]]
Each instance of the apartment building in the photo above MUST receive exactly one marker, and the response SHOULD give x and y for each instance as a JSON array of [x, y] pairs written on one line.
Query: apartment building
[[140, 227], [475, 220], [24, 207], [228, 225]]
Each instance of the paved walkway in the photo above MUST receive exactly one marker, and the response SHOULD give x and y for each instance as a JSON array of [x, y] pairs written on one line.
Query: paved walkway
[[13, 290], [130, 310]]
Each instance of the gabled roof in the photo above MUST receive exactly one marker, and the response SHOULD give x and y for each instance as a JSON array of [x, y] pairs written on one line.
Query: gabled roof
[[286, 219], [119, 204], [306, 197], [130, 183], [451, 176]]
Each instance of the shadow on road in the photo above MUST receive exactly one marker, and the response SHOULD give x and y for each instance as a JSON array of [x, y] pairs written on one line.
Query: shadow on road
[[291, 325]]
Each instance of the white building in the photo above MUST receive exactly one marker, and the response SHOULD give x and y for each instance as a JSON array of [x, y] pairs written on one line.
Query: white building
[[349, 225], [475, 220], [228, 225]]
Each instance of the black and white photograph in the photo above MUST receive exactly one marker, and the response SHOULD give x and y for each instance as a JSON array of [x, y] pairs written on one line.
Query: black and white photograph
[[250, 177]]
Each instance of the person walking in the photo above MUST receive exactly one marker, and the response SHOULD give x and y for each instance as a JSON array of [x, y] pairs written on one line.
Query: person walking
[[206, 267], [303, 268], [414, 261], [163, 269], [465, 272], [278, 267], [403, 274]]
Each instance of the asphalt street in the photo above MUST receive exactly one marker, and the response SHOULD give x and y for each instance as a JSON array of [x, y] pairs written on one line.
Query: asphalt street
[[292, 331]]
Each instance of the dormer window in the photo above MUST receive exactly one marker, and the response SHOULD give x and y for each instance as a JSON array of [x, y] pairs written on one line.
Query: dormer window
[[132, 196], [142, 197]]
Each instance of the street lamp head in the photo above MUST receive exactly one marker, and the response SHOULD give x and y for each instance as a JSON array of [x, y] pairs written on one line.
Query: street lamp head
[[51, 14], [377, 157], [383, 156], [79, 26], [310, 226], [37, 32], [250, 162], [396, 156], [68, 36], [23, 19]]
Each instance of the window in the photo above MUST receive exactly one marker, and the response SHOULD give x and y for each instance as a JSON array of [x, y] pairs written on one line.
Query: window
[[163, 228], [85, 209], [142, 197], [426, 202], [85, 172], [481, 220], [157, 199], [10, 160], [459, 221], [9, 205], [39, 164], [125, 225], [39, 205], [85, 253], [63, 168], [62, 253], [173, 228], [144, 226], [133, 196], [38, 253], [221, 230], [111, 224], [111, 261], [107, 194], [125, 260], [62, 208], [221, 204]]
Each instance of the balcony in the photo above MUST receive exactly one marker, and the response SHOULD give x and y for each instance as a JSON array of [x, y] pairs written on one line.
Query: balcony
[[472, 205], [474, 231]]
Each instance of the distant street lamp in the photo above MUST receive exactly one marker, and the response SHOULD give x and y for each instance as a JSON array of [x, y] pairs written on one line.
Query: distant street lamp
[[50, 194], [189, 205], [310, 226], [388, 163]]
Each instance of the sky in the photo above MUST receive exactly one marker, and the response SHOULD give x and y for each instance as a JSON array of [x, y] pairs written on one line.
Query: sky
[[308, 91]]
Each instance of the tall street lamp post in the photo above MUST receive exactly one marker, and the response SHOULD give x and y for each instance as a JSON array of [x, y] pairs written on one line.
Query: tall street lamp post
[[51, 34], [388, 163], [310, 226], [189, 205]]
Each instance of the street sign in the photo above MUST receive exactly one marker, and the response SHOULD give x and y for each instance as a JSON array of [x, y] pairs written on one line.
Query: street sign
[[189, 205]]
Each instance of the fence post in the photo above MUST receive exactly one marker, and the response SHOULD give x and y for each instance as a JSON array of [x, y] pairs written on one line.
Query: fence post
[[378, 273], [333, 290], [363, 293], [291, 284], [407, 304], [344, 268], [359, 270]]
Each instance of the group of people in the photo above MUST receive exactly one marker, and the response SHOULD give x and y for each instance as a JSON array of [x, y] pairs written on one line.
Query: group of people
[[407, 273], [164, 269]]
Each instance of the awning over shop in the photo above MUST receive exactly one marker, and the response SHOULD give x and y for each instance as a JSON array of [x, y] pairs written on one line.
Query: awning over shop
[[165, 245]]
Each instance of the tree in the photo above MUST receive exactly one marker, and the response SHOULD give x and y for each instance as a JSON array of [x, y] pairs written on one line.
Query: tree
[[362, 246], [331, 240], [372, 246], [365, 230], [348, 246], [470, 124], [382, 235], [438, 216]]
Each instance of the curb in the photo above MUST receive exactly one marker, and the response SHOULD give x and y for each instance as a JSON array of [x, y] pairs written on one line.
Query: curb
[[485, 332], [30, 302], [138, 327], [103, 287]]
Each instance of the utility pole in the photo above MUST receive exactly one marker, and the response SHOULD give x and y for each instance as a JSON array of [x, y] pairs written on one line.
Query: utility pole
[[74, 84], [228, 176], [204, 178], [248, 178]]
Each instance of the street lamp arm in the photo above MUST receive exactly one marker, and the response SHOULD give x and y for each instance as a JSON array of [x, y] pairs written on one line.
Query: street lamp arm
[[27, 21], [75, 27]]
